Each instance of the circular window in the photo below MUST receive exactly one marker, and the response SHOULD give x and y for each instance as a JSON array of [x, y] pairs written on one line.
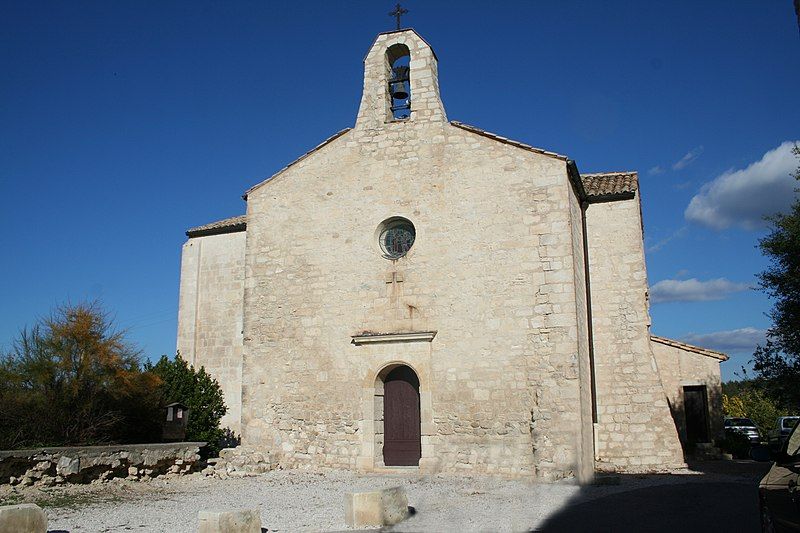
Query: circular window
[[396, 236]]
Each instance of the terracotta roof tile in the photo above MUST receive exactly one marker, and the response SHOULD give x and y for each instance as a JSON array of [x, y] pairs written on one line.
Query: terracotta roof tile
[[610, 183], [227, 225]]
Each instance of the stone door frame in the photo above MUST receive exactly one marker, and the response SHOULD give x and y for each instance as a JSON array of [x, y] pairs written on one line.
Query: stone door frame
[[371, 457]]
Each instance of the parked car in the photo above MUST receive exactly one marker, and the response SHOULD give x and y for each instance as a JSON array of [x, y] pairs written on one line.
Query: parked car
[[743, 426], [778, 435], [778, 495]]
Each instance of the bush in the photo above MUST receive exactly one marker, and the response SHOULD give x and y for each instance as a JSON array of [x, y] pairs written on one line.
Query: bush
[[198, 391], [735, 444], [73, 379], [753, 404]]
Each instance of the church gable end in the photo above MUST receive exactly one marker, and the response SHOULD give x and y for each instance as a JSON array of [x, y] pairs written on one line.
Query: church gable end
[[415, 271]]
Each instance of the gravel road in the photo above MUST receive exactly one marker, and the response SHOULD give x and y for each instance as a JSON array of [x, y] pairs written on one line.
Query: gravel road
[[307, 501], [303, 501]]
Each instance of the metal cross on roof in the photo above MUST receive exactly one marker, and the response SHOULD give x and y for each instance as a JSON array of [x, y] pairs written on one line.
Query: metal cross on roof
[[397, 13]]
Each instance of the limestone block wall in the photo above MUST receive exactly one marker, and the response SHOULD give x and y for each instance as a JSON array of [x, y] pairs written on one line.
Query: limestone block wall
[[680, 367], [210, 311], [491, 271], [586, 447], [634, 430]]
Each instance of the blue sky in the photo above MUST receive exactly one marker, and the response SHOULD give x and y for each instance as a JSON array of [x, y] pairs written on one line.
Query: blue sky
[[124, 123]]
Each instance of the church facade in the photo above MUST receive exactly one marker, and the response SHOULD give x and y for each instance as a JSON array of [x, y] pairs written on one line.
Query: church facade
[[417, 292]]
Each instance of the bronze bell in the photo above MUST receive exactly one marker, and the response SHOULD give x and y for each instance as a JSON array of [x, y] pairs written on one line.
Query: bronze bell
[[399, 91], [397, 86]]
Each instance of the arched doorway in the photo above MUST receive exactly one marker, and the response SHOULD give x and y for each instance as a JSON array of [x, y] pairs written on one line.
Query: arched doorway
[[401, 418]]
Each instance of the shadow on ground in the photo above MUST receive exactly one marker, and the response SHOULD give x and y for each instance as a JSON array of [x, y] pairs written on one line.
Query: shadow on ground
[[722, 497]]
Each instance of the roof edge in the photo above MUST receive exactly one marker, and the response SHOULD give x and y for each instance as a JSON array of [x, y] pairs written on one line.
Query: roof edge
[[604, 197], [219, 227], [615, 197], [506, 140], [575, 177], [612, 173], [304, 156], [690, 348]]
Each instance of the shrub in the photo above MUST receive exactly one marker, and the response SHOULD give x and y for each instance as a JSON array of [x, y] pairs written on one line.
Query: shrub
[[753, 404], [73, 379], [735, 444], [198, 391]]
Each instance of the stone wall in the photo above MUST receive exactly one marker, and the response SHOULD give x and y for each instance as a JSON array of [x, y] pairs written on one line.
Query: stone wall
[[634, 430], [84, 464], [492, 271], [210, 313], [586, 444], [680, 367], [496, 281]]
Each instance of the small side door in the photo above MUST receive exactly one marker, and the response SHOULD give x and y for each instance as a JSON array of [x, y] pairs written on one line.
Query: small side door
[[695, 404]]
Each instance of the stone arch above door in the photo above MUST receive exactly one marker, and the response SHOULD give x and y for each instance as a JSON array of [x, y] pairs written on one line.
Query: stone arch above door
[[372, 456]]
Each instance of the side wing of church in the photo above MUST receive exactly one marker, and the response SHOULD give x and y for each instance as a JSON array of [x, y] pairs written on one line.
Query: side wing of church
[[418, 292]]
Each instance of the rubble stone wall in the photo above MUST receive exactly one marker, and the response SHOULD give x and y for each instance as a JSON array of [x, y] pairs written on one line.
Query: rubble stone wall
[[84, 464]]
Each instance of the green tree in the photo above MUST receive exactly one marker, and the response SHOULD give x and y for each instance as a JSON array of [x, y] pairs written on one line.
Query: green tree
[[196, 389], [777, 362], [753, 404], [73, 379]]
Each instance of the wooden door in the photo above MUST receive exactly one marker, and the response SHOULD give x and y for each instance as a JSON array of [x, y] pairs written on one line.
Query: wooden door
[[695, 405], [401, 424]]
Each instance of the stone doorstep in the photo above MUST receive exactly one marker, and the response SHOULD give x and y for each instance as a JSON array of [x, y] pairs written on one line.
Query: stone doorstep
[[398, 470], [23, 518]]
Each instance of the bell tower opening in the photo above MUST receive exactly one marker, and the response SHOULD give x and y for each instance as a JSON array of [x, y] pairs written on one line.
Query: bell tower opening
[[398, 58], [401, 83]]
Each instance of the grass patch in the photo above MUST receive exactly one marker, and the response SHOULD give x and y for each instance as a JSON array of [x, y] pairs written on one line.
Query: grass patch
[[72, 501], [11, 499], [59, 499]]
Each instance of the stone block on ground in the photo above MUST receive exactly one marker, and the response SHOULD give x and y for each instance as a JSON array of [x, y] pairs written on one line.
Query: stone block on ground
[[67, 466], [384, 507], [241, 521], [23, 518]]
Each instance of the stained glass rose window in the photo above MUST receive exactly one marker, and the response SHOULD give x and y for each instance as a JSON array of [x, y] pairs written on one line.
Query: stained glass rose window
[[397, 237]]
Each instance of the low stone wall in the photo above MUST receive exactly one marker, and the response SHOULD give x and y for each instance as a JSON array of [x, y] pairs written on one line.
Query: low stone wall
[[242, 461], [85, 464]]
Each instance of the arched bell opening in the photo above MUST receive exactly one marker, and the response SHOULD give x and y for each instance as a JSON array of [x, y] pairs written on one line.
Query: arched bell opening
[[398, 436], [398, 59]]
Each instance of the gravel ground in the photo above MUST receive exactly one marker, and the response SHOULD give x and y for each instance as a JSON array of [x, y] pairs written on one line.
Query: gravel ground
[[306, 501]]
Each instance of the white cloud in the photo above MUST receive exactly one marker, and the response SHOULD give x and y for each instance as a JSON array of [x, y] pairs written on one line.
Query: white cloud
[[694, 290], [734, 340], [687, 160], [655, 170], [743, 197]]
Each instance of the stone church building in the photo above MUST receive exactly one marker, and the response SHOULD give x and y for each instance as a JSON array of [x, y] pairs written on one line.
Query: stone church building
[[417, 292]]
